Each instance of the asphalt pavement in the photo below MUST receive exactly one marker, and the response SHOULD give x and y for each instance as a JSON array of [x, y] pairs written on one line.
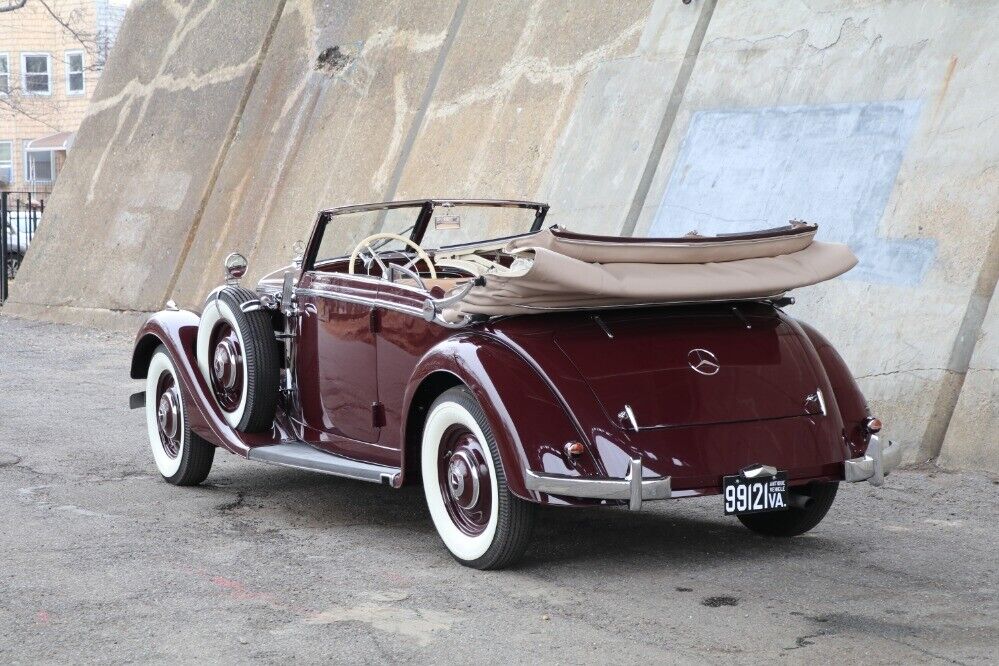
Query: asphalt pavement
[[103, 562]]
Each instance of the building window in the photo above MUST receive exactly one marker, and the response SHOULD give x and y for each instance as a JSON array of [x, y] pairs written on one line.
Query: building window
[[6, 162], [74, 73], [4, 73], [38, 165], [35, 69]]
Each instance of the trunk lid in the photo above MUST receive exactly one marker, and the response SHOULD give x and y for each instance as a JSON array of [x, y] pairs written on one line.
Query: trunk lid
[[696, 365]]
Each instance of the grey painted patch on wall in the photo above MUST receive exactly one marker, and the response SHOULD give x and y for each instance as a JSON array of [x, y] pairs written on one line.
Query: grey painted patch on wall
[[835, 165]]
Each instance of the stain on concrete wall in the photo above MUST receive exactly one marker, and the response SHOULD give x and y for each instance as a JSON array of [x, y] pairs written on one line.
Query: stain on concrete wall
[[833, 164]]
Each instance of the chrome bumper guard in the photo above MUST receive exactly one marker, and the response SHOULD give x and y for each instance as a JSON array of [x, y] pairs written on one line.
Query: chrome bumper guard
[[632, 487], [875, 464]]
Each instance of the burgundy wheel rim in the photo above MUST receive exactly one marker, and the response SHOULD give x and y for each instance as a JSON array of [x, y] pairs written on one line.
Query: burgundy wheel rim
[[465, 483], [226, 358], [168, 414]]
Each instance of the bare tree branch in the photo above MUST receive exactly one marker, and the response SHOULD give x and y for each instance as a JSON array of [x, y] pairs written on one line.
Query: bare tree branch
[[95, 44], [88, 41], [11, 5]]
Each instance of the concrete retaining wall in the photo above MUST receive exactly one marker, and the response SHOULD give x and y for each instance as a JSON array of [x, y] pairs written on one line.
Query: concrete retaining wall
[[224, 126]]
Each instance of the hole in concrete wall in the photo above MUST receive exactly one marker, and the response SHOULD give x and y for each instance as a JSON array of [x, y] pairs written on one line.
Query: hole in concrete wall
[[332, 61]]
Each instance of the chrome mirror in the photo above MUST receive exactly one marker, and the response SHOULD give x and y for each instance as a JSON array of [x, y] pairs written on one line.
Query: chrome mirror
[[235, 268]]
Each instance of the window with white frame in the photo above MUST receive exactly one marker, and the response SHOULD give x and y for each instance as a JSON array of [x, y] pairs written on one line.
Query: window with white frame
[[36, 71], [74, 73], [39, 165], [6, 162], [4, 73]]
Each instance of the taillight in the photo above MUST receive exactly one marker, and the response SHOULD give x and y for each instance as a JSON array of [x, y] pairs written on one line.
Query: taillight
[[872, 425]]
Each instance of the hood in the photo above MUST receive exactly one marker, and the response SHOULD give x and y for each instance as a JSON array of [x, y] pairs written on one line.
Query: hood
[[701, 365]]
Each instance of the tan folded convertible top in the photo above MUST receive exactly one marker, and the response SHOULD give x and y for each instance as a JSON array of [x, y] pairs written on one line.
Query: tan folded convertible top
[[557, 270]]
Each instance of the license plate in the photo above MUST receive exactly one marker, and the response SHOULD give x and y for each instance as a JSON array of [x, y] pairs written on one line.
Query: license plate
[[744, 496]]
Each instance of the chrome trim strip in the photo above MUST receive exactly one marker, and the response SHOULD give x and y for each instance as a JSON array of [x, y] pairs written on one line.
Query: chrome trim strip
[[603, 326], [633, 488], [361, 300], [415, 203], [722, 241], [822, 401], [631, 417], [377, 280], [302, 456], [650, 304]]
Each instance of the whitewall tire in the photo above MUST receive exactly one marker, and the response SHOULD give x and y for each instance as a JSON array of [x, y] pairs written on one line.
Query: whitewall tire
[[181, 456], [481, 523]]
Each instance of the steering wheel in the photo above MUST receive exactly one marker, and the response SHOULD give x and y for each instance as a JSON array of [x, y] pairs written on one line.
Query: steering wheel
[[366, 244]]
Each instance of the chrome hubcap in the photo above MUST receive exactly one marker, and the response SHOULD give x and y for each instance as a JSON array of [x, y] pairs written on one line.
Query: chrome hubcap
[[166, 413], [461, 475], [224, 364], [226, 372], [464, 480]]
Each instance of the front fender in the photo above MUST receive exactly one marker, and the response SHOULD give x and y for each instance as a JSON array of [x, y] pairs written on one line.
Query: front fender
[[529, 423], [177, 330]]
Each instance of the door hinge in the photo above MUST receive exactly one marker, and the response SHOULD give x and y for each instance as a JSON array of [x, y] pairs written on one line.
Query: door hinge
[[377, 415], [375, 320]]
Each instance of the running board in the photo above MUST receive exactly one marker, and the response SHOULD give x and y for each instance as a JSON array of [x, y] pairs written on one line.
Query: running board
[[303, 456]]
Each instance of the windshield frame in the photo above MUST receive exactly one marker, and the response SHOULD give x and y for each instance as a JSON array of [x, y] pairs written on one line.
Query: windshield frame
[[426, 208]]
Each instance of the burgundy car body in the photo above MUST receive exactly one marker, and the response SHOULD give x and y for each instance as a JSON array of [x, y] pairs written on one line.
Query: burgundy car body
[[622, 382]]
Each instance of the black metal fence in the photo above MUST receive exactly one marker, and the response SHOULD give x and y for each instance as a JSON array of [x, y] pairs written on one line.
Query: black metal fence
[[20, 214]]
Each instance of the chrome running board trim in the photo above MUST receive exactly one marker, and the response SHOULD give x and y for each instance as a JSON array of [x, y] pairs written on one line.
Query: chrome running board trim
[[303, 456]]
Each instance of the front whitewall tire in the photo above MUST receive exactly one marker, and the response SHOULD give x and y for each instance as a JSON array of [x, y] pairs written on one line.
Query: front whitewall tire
[[166, 465], [190, 457]]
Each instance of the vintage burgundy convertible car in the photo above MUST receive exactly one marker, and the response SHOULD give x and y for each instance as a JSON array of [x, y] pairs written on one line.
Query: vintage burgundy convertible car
[[543, 367]]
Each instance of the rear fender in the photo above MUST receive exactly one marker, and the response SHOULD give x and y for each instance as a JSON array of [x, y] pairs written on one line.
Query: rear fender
[[177, 330], [849, 399], [529, 422]]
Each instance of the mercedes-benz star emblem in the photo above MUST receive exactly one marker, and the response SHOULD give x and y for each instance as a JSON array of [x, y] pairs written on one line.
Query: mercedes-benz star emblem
[[702, 361]]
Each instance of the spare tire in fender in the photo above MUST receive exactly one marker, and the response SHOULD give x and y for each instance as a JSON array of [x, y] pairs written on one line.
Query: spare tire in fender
[[240, 359]]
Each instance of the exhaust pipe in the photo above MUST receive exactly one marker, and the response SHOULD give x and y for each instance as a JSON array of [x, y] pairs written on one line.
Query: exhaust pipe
[[799, 501]]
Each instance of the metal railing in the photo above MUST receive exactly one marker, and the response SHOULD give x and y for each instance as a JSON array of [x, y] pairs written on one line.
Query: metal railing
[[20, 215]]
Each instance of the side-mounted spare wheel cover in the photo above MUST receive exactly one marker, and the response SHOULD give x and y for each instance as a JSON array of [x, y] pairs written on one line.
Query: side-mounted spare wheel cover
[[240, 359]]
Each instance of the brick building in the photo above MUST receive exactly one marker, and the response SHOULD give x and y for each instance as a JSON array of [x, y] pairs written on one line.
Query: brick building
[[51, 56]]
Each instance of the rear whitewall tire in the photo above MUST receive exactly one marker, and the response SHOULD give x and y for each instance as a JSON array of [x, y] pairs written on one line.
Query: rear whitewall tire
[[502, 539], [461, 545]]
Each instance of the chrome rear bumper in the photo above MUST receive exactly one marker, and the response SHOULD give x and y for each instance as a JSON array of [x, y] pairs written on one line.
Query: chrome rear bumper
[[875, 464], [632, 487], [872, 467]]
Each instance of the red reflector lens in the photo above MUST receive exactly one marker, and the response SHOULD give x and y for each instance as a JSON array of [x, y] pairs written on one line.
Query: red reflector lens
[[873, 425]]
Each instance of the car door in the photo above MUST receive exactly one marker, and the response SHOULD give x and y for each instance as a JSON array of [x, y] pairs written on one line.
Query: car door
[[336, 363]]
